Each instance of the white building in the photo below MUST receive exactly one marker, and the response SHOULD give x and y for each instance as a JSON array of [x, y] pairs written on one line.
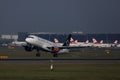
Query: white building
[[15, 37]]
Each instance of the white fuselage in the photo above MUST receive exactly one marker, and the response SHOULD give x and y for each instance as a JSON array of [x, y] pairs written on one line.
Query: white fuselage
[[19, 43], [83, 44], [42, 43]]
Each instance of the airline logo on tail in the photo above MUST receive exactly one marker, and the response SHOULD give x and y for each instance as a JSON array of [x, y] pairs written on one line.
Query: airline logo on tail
[[101, 42], [56, 41], [95, 41], [116, 41], [87, 42], [67, 42], [72, 41]]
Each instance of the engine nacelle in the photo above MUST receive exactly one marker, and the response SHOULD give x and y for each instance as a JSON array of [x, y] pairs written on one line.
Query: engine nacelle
[[28, 48], [55, 49]]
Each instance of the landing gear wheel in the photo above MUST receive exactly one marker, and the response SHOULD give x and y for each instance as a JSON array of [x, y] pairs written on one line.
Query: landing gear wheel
[[55, 55], [38, 55]]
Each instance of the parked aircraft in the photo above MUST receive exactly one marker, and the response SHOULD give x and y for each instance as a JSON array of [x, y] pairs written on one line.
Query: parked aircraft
[[72, 42], [96, 43], [18, 43], [114, 44], [101, 44], [85, 44]]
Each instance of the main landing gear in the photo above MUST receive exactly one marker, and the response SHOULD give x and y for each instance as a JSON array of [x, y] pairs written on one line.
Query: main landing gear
[[37, 54], [55, 55]]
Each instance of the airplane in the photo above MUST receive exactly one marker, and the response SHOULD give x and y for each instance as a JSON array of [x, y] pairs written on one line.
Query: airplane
[[96, 43], [38, 43], [115, 43], [72, 41], [85, 44], [105, 45], [18, 43]]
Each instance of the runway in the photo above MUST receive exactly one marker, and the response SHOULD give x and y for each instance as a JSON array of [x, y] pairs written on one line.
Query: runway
[[60, 60]]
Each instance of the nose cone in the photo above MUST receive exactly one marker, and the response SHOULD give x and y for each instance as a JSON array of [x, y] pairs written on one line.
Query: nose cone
[[27, 40]]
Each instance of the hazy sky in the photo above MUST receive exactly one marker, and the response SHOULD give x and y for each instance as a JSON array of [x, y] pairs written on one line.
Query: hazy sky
[[89, 16]]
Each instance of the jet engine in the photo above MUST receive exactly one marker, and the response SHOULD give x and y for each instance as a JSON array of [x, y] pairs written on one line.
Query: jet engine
[[28, 47], [55, 49]]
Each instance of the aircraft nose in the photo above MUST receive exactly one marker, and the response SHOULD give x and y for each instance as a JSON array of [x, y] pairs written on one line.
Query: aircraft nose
[[27, 40]]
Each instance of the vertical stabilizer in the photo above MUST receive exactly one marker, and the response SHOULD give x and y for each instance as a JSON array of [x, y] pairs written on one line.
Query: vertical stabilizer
[[94, 40], [56, 40], [101, 42], [116, 41], [67, 42]]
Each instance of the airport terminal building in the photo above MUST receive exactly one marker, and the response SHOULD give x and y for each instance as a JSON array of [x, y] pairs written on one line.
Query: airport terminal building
[[106, 37]]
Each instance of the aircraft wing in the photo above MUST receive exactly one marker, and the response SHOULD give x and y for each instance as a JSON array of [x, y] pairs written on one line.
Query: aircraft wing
[[70, 47]]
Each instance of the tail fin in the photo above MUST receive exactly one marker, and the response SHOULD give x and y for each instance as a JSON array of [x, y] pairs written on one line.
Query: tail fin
[[87, 42], [76, 41], [101, 42], [67, 42], [116, 41], [94, 40], [71, 40], [56, 40]]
